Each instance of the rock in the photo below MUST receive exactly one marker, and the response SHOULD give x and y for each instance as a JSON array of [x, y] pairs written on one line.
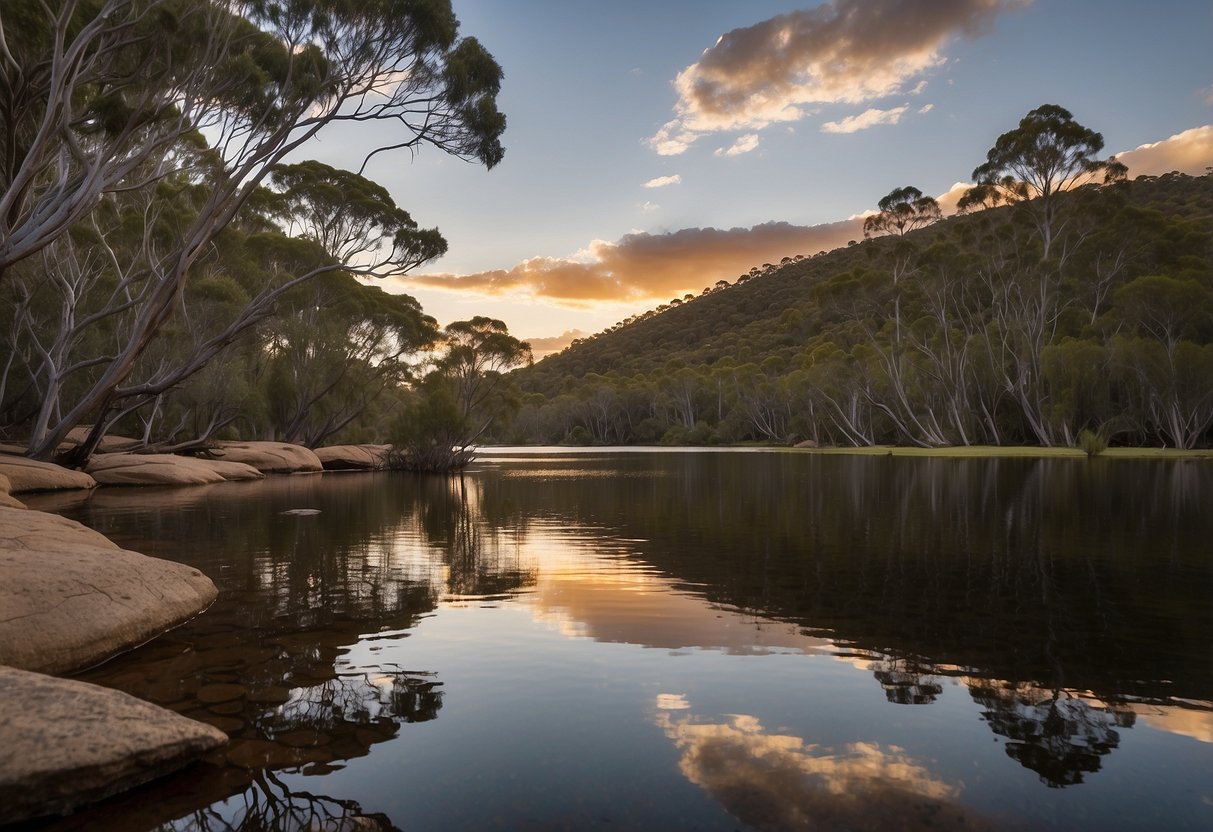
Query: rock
[[270, 457], [165, 469], [64, 743], [110, 443], [72, 599], [6, 497], [353, 457], [221, 692], [808, 443], [31, 475], [232, 471]]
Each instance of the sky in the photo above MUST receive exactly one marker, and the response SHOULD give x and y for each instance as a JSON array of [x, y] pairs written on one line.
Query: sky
[[656, 147]]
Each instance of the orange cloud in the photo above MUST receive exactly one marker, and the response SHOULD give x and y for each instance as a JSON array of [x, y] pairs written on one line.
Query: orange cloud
[[841, 52], [1188, 152], [642, 265], [541, 347]]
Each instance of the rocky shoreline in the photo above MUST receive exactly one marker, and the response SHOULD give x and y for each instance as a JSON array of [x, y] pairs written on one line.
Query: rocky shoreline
[[71, 599]]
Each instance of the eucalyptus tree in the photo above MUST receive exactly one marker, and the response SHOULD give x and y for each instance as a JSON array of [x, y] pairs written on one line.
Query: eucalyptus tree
[[237, 285], [459, 399], [1166, 356], [1048, 153], [477, 355], [335, 349], [94, 96], [901, 211], [134, 85]]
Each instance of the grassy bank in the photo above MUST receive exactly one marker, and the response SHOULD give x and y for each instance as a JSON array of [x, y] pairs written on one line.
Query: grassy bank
[[987, 451]]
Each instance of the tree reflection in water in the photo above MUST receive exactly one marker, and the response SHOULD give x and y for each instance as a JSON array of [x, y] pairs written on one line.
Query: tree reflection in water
[[1041, 586], [268, 804], [907, 682], [267, 663], [1058, 734]]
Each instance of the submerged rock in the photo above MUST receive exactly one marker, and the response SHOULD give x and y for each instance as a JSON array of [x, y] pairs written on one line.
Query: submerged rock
[[270, 457], [72, 598], [31, 475], [166, 469], [64, 743], [353, 457]]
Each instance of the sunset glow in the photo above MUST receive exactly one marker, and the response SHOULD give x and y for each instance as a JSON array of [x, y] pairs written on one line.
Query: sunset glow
[[684, 146]]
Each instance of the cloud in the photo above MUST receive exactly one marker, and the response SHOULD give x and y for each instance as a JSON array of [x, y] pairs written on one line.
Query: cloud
[[663, 181], [743, 145], [642, 265], [1188, 152], [541, 347], [868, 118], [949, 198], [841, 52], [648, 207]]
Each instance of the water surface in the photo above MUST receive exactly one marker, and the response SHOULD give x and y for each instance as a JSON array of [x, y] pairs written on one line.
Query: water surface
[[680, 640]]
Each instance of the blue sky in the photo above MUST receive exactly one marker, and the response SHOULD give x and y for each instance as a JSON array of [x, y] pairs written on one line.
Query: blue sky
[[589, 87]]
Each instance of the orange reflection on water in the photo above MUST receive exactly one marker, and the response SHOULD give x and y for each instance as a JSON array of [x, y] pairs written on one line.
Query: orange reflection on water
[[620, 600]]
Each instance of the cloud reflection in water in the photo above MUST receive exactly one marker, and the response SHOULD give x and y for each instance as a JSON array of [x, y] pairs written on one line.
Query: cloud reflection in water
[[778, 781]]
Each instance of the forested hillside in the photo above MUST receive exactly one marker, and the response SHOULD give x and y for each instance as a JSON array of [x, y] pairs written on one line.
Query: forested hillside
[[977, 329]]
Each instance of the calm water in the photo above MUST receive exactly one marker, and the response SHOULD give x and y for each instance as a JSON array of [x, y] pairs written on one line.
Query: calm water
[[687, 641]]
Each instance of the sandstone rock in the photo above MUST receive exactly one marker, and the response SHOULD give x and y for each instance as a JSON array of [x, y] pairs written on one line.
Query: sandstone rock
[[71, 598], [6, 498], [353, 457], [110, 443], [232, 471], [64, 743], [31, 475], [165, 469], [270, 457]]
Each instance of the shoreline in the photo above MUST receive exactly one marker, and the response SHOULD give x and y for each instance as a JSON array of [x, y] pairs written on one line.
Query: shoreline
[[948, 452]]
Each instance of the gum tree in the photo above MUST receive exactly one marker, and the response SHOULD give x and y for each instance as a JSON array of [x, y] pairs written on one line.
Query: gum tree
[[1048, 153], [134, 86]]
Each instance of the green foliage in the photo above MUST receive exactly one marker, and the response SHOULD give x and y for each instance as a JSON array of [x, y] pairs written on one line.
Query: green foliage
[[1092, 443], [903, 210], [956, 333], [1049, 152], [460, 398], [132, 254]]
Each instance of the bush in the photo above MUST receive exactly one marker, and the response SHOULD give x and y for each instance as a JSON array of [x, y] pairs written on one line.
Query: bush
[[1092, 442]]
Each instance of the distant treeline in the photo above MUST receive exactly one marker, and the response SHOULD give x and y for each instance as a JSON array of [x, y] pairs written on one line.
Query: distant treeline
[[984, 328]]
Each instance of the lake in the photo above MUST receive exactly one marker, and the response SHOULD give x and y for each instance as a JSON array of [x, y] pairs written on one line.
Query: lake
[[702, 640]]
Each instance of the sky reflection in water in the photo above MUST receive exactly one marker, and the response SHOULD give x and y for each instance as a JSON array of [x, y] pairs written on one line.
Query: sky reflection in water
[[689, 641]]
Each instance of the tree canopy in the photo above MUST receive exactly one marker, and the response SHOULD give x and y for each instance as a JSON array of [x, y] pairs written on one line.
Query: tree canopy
[[1047, 153], [138, 140]]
